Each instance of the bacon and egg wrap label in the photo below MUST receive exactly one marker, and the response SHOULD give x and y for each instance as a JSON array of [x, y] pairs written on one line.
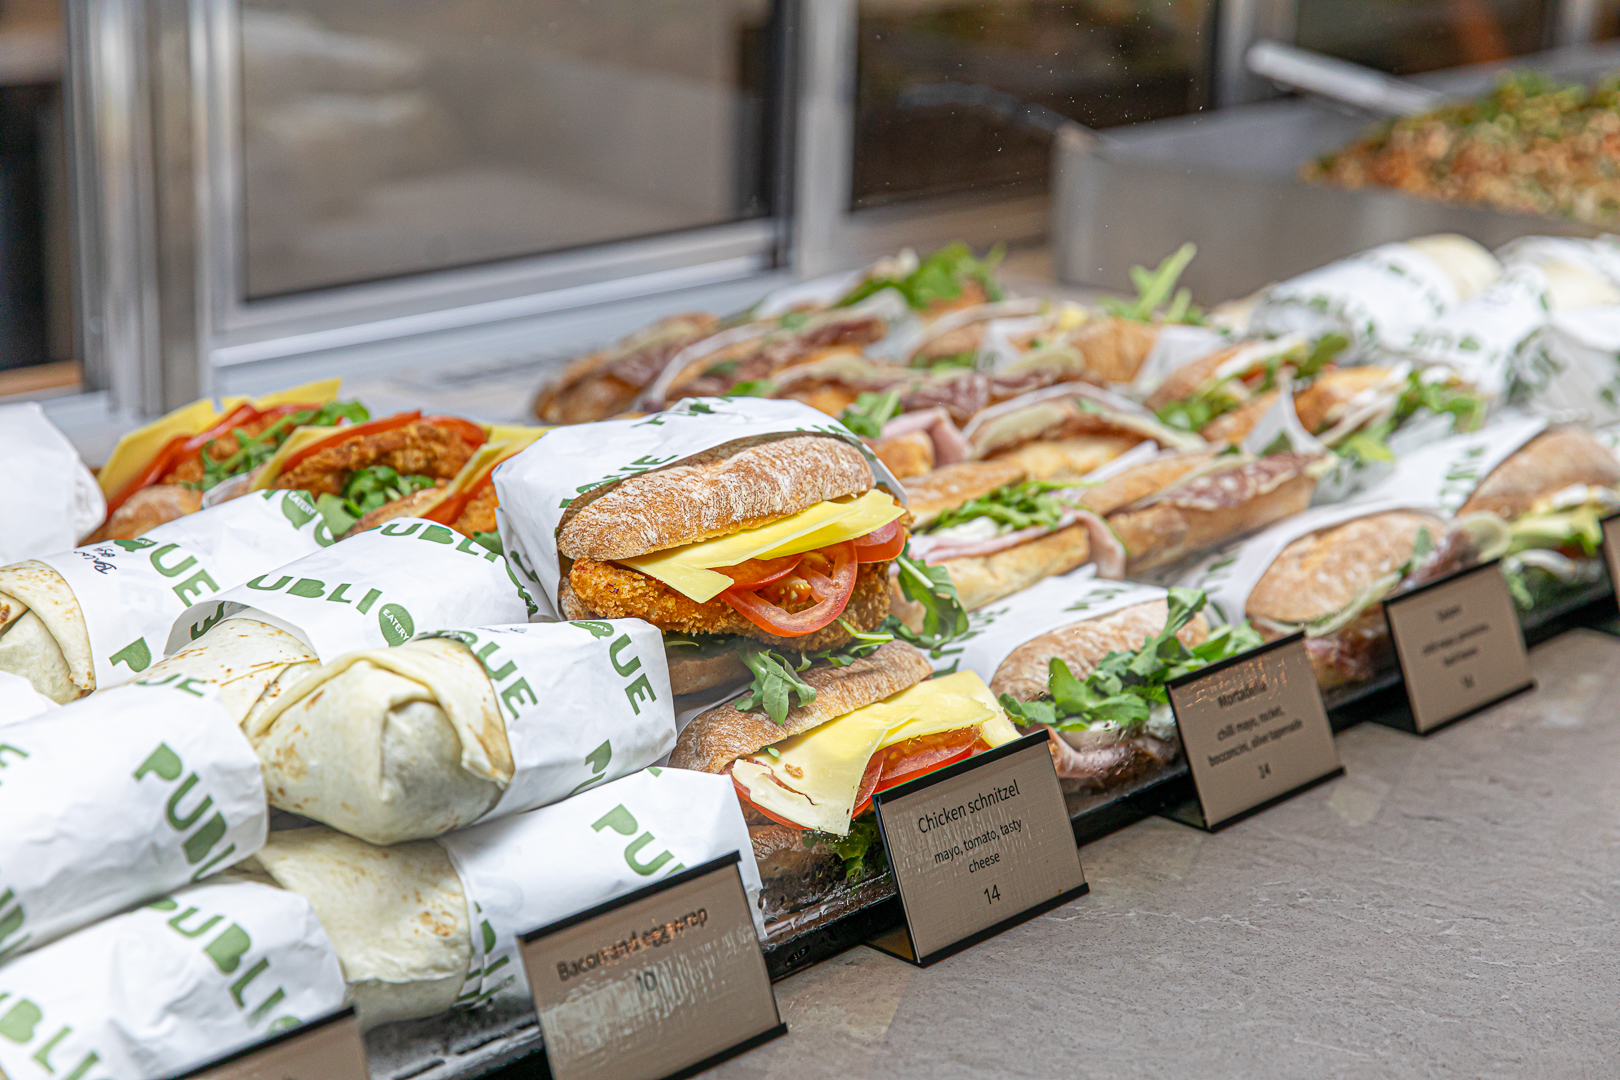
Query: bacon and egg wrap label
[[532, 869], [167, 987], [1374, 299], [536, 487], [996, 630], [51, 499], [1230, 575], [549, 675], [19, 700], [131, 591], [122, 796], [1444, 474], [377, 589]]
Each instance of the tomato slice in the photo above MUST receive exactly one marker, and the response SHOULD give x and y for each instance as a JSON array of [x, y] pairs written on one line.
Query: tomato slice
[[760, 571], [768, 616], [447, 511], [908, 760], [881, 545], [471, 434]]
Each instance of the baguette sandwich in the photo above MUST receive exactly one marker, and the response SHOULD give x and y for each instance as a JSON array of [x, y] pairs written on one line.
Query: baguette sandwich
[[607, 383]]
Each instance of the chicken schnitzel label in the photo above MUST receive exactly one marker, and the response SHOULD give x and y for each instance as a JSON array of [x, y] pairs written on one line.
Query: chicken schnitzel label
[[996, 630], [374, 590], [613, 839], [549, 675], [1230, 575], [1446, 473], [131, 591], [539, 487]]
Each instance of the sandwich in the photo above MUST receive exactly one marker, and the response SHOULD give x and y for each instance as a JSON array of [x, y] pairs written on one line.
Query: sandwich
[[607, 383], [52, 499], [910, 444], [806, 784], [1326, 572], [161, 471], [753, 532], [1116, 344]]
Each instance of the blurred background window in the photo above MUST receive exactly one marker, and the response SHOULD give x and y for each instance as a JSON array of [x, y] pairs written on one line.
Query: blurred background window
[[1404, 37], [951, 95], [390, 137]]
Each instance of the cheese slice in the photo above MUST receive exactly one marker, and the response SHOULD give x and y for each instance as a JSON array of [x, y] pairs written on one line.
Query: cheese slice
[[505, 440], [688, 570], [137, 449], [813, 778]]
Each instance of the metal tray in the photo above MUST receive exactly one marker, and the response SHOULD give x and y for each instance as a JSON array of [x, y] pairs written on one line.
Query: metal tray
[[1228, 181]]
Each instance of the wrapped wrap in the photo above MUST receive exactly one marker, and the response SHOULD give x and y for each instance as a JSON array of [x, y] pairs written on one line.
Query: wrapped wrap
[[462, 725], [1571, 369], [118, 798], [19, 700], [51, 500], [1480, 338], [98, 615], [251, 662], [170, 986], [536, 487], [424, 926]]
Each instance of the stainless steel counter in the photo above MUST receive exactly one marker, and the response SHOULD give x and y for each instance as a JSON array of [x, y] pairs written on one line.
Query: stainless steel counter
[[1448, 908]]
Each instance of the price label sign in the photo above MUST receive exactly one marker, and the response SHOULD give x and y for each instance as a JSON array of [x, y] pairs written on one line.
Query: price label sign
[[1254, 731], [663, 982], [1460, 645], [330, 1048], [977, 847]]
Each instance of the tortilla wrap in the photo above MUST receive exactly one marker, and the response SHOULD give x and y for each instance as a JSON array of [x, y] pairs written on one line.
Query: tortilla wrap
[[252, 663], [396, 915], [43, 637]]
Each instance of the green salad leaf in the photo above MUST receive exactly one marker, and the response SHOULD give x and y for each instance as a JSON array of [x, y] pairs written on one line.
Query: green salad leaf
[[1020, 505], [944, 617], [776, 688], [1122, 689], [1154, 288], [870, 412], [251, 451], [752, 388], [861, 843], [1218, 398], [366, 490], [941, 276], [1464, 403]]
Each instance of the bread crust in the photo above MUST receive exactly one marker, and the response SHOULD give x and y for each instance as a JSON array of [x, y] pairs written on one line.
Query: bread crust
[[984, 579], [716, 738], [695, 674], [721, 491], [1187, 379], [1138, 483], [909, 454], [1548, 463], [948, 487], [1083, 645], [1114, 348], [1068, 459], [146, 510], [1319, 574], [1212, 509]]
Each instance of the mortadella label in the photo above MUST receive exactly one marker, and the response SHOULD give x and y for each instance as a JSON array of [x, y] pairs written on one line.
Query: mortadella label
[[549, 675], [613, 839], [131, 591], [536, 487], [164, 988], [116, 798], [374, 590]]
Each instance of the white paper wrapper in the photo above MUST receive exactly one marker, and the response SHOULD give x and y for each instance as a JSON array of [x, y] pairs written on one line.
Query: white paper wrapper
[[1230, 575], [122, 796], [19, 700], [536, 486], [995, 631], [1600, 256], [1479, 338], [526, 871], [51, 499], [1374, 298], [1444, 474], [1175, 348], [549, 678], [131, 591], [377, 589], [1571, 370], [167, 987]]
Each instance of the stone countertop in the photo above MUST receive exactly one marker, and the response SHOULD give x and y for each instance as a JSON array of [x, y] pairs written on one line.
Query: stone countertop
[[1446, 909]]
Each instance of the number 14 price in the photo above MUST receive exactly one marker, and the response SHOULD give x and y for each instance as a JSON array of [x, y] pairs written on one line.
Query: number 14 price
[[992, 894]]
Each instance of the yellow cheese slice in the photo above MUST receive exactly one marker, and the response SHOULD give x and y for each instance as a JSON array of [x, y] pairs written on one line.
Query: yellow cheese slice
[[318, 392], [688, 571], [136, 450], [822, 768], [505, 440]]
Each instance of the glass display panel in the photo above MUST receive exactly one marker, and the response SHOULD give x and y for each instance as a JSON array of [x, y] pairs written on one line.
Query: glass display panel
[[951, 95], [390, 137], [1404, 37]]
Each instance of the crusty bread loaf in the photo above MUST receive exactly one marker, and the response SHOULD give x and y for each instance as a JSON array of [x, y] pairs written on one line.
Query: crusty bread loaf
[[721, 491], [1320, 574], [1234, 427], [1114, 348], [1068, 460], [1188, 378], [984, 579], [1083, 645], [1321, 404], [1143, 480], [723, 734], [948, 487], [1550, 462], [908, 454]]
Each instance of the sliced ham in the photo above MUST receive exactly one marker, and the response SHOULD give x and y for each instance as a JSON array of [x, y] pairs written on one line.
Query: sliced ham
[[950, 447]]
